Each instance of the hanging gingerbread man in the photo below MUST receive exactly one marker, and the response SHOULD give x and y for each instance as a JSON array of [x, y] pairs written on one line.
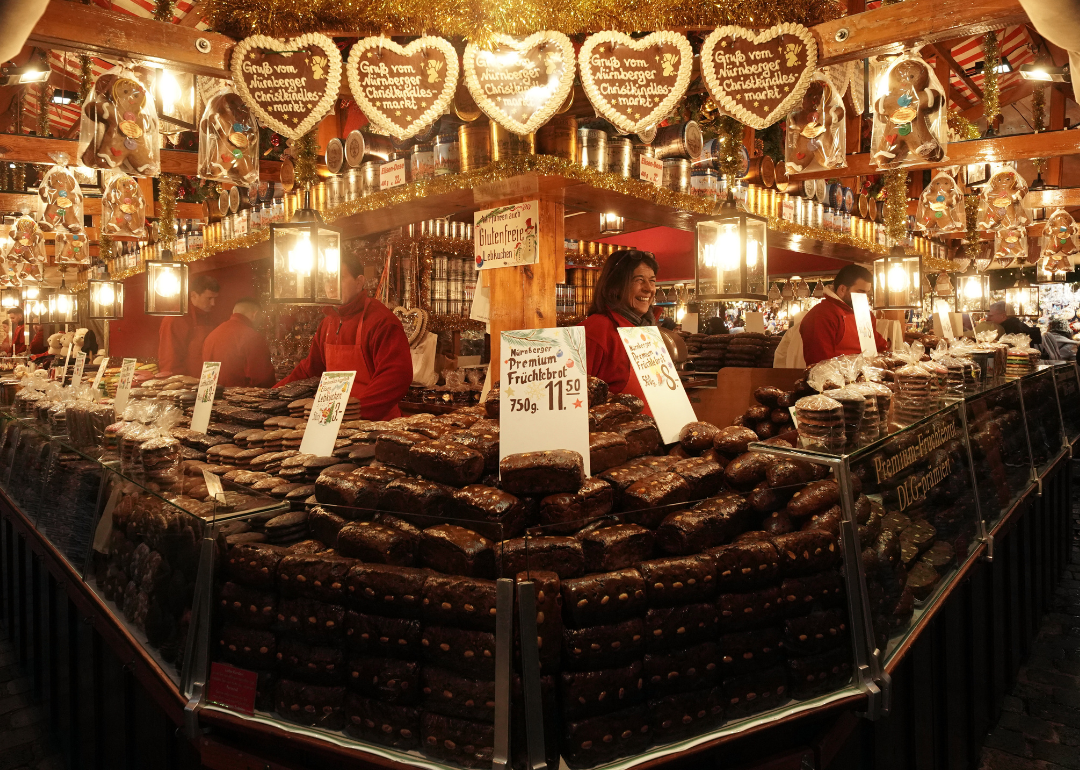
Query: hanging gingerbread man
[[229, 142], [941, 207], [72, 249], [1002, 202], [123, 208], [1010, 245], [1060, 235], [816, 131], [125, 130], [63, 199], [27, 241], [904, 112]]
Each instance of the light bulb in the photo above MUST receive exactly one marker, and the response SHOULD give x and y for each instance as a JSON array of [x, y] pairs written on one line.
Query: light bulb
[[63, 303], [106, 296], [972, 289], [300, 256], [167, 283], [31, 292], [331, 261], [898, 279], [169, 90]]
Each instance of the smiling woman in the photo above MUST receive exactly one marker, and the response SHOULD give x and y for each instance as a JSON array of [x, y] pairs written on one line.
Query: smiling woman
[[623, 298]]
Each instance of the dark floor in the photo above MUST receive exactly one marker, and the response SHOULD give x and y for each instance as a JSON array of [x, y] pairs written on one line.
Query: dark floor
[[1040, 720], [24, 744]]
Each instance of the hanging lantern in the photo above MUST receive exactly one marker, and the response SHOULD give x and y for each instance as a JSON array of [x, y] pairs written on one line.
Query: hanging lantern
[[819, 290], [307, 259], [611, 224], [774, 294], [1023, 298], [106, 299], [35, 304], [10, 297], [64, 305], [731, 256], [1052, 270], [802, 289], [166, 286], [972, 292], [897, 282]]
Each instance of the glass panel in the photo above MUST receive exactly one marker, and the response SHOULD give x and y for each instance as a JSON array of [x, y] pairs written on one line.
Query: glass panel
[[999, 449], [71, 502], [293, 263], [1043, 419], [329, 265], [1065, 376]]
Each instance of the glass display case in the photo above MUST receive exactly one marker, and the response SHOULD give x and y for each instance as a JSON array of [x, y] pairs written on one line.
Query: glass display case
[[1068, 393], [1043, 417]]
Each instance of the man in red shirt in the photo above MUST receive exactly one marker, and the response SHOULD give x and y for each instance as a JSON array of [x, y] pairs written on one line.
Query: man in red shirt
[[361, 335], [241, 348], [180, 338], [828, 329]]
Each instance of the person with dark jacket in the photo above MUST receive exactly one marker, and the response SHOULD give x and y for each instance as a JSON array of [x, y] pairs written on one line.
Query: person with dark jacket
[[361, 335], [623, 297], [828, 328], [241, 348]]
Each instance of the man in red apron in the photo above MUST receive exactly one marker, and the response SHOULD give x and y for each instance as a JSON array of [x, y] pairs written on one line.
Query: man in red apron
[[181, 338], [361, 335]]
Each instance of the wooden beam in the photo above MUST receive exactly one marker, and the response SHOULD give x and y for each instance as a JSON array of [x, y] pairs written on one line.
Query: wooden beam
[[946, 56], [1055, 120], [890, 28], [88, 29], [35, 149], [1020, 91], [1066, 196], [1051, 144]]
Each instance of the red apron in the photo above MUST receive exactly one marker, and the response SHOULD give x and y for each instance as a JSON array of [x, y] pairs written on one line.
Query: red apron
[[345, 358]]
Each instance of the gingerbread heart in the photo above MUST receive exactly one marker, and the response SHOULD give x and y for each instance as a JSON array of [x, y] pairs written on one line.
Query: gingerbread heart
[[758, 77], [414, 320], [403, 89], [520, 84], [290, 85], [635, 83]]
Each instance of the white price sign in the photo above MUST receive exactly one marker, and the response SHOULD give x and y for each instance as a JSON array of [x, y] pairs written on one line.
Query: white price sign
[[100, 372], [506, 236], [123, 388], [327, 413], [941, 310], [651, 170], [864, 322], [80, 364], [659, 380], [544, 393], [392, 174], [204, 399]]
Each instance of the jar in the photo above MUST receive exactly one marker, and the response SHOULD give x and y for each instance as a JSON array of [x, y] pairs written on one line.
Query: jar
[[592, 148], [421, 162], [559, 137], [677, 174], [474, 146], [620, 156], [446, 158]]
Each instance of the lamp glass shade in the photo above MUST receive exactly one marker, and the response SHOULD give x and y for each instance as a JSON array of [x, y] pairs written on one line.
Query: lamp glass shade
[[63, 306], [1023, 300], [10, 297], [106, 299], [972, 293], [731, 254], [611, 224], [898, 282], [166, 288], [307, 264], [1047, 271], [35, 303]]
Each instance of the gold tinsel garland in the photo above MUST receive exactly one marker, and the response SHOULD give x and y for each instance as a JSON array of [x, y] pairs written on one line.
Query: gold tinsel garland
[[991, 94], [305, 155], [44, 99], [164, 9], [105, 249], [168, 184], [478, 20], [1038, 119], [86, 78], [961, 126], [729, 133], [896, 200], [971, 240], [18, 177]]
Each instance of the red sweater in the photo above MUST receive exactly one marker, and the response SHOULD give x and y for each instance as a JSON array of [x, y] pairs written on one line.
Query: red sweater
[[180, 343], [607, 357], [383, 345], [243, 353], [828, 330]]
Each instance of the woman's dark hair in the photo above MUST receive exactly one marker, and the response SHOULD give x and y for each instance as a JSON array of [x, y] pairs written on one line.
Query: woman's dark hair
[[615, 278]]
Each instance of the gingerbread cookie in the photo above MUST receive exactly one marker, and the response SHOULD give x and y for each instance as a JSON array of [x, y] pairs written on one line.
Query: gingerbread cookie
[[63, 199], [1001, 204], [1060, 235], [72, 248], [123, 208], [120, 126], [941, 207], [816, 131], [1011, 245], [229, 141], [27, 242], [909, 117]]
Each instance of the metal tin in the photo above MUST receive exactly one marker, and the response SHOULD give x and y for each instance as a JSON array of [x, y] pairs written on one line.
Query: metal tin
[[378, 147], [809, 188], [234, 199], [335, 191], [369, 177], [620, 155], [335, 155], [223, 203], [848, 198], [353, 184], [287, 175], [834, 196], [864, 205], [640, 150], [421, 162], [507, 144], [871, 209], [682, 140], [704, 182], [592, 148], [761, 171], [559, 137], [355, 146], [822, 192], [677, 174], [647, 136], [782, 183], [463, 105], [474, 146], [447, 160]]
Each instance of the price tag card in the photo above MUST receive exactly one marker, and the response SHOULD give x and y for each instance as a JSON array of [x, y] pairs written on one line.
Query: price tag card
[[690, 323], [392, 174], [204, 399], [80, 364], [652, 170], [507, 235], [544, 397], [213, 484], [103, 533], [123, 388], [755, 322], [864, 322], [232, 687], [100, 372], [941, 315], [327, 413], [659, 380]]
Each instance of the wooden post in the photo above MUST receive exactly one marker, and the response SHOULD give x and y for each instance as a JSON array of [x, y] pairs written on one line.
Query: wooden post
[[524, 297], [1055, 116]]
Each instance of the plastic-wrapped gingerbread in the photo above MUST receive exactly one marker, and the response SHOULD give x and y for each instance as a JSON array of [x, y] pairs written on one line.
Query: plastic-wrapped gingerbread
[[1061, 236], [1001, 204], [229, 141], [63, 198], [119, 127], [816, 132], [27, 242], [1011, 245], [941, 207], [910, 123], [123, 209], [72, 248]]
